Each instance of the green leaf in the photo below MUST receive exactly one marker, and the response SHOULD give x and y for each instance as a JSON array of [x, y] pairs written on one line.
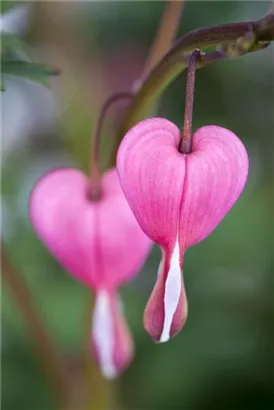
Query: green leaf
[[13, 48], [32, 71], [16, 61]]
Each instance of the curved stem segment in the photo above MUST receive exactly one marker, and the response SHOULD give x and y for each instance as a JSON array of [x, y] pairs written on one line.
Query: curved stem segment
[[94, 190], [48, 353], [186, 142], [175, 61]]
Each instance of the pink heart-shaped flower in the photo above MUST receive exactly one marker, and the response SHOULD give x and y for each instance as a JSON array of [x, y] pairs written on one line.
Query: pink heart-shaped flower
[[98, 242], [178, 200]]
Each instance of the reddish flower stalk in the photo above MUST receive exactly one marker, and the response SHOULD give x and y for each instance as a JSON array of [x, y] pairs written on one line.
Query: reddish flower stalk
[[185, 145]]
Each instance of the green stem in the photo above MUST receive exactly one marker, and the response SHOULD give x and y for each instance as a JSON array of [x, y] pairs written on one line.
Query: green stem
[[176, 60]]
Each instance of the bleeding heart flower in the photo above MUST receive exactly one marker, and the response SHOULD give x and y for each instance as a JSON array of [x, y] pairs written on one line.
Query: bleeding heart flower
[[178, 200], [99, 243]]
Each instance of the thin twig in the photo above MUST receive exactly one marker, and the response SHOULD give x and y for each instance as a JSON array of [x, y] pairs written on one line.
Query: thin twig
[[46, 349]]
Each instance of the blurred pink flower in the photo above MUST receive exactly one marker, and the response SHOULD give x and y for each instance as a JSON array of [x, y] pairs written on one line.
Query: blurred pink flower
[[98, 242], [178, 200]]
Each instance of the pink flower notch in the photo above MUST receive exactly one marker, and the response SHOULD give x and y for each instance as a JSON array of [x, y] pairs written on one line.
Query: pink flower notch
[[99, 242]]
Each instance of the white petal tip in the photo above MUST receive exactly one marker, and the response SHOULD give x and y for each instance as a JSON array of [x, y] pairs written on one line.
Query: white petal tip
[[103, 334], [164, 338], [109, 373], [172, 294]]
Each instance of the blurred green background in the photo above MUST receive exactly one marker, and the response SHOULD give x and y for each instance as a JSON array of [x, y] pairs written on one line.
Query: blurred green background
[[224, 357]]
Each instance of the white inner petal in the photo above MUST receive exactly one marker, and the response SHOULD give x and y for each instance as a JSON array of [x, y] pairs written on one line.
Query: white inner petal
[[172, 291], [103, 334]]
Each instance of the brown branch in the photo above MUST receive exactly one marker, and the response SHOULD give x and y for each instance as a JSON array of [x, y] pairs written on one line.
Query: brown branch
[[46, 350]]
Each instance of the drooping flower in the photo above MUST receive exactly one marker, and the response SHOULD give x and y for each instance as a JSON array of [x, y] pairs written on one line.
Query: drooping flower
[[100, 243], [178, 200]]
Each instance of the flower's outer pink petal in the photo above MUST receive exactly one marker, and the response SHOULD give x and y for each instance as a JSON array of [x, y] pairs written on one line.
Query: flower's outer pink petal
[[217, 170], [110, 336], [66, 222], [166, 310], [100, 243], [152, 171]]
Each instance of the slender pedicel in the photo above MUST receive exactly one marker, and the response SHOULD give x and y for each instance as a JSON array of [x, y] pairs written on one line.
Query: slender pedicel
[[186, 143]]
